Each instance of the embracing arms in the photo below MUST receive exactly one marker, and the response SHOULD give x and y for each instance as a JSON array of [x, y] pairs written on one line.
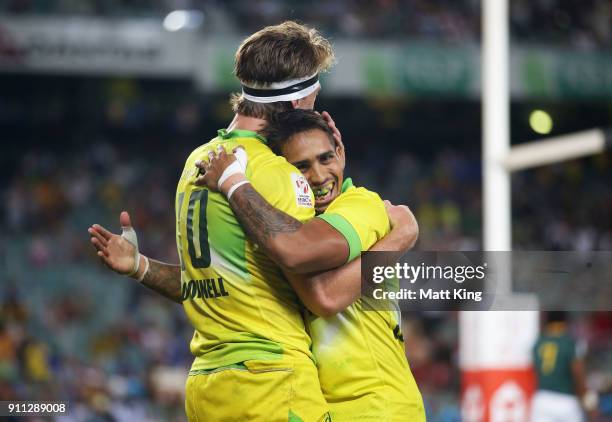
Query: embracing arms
[[324, 293], [295, 247], [328, 292], [305, 252]]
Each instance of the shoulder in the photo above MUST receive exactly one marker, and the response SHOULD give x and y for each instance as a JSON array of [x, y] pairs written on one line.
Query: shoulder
[[264, 163], [190, 170], [360, 199], [360, 215], [355, 193]]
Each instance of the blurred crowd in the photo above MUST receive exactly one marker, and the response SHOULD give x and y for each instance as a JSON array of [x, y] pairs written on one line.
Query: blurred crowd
[[131, 368], [584, 24]]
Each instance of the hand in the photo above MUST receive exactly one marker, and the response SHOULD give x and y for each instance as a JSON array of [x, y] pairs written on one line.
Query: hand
[[115, 251], [402, 220], [222, 170], [337, 136]]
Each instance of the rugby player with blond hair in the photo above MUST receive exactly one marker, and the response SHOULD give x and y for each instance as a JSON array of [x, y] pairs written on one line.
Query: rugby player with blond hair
[[252, 352]]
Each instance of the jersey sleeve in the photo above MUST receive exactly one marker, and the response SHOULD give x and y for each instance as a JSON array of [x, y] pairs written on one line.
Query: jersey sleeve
[[360, 216], [286, 189]]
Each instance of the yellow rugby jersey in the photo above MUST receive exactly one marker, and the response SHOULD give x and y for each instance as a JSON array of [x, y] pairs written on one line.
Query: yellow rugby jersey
[[360, 354], [235, 297]]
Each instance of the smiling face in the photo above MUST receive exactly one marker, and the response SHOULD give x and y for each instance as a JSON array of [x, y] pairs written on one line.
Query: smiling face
[[314, 153]]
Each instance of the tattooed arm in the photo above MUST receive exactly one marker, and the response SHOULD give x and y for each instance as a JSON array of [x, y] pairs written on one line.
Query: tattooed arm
[[164, 279], [295, 247], [324, 293], [329, 292], [305, 252]]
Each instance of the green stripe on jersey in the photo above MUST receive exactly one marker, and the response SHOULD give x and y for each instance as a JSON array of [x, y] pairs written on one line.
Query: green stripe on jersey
[[345, 228]]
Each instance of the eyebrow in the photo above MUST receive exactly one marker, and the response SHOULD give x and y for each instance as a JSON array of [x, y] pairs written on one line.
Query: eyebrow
[[297, 163]]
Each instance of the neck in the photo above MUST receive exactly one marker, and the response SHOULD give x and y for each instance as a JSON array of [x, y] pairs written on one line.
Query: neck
[[243, 122]]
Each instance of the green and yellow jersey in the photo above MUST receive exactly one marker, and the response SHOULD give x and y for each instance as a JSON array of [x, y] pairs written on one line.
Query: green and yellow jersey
[[360, 354], [235, 297], [553, 356]]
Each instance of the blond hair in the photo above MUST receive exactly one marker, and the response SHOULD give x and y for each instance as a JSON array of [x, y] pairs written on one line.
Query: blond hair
[[277, 53]]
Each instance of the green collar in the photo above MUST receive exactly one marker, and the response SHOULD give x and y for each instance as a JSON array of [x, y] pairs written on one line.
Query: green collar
[[348, 183], [240, 133]]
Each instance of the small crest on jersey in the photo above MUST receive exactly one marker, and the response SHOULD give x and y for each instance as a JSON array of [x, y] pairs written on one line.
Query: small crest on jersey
[[302, 190]]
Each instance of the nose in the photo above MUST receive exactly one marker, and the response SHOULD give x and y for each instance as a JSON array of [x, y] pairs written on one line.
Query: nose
[[317, 175]]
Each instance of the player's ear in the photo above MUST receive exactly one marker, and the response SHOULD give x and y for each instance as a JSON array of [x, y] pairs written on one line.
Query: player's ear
[[341, 155], [295, 103]]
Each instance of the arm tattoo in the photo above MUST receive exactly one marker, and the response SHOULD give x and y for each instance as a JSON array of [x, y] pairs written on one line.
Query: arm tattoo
[[261, 221], [164, 279]]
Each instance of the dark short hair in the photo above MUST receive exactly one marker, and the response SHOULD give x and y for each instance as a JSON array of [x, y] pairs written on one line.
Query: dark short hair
[[283, 126], [556, 316]]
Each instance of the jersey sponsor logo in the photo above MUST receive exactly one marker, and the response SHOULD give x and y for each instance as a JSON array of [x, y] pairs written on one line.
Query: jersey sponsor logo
[[208, 289], [302, 190]]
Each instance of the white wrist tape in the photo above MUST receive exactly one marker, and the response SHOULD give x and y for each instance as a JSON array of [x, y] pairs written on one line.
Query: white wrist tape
[[146, 269], [234, 187], [237, 167], [129, 234]]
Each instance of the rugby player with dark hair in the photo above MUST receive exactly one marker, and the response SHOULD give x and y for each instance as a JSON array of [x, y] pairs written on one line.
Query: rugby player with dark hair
[[360, 354]]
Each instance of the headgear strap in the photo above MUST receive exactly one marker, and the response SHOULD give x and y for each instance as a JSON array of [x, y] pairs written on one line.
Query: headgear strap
[[293, 89]]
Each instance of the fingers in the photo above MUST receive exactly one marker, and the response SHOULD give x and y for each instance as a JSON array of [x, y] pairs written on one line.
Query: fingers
[[329, 120], [102, 250], [104, 259], [124, 219], [397, 208], [102, 231], [211, 169], [332, 125], [405, 208], [201, 166], [212, 155], [96, 235], [200, 181], [337, 136]]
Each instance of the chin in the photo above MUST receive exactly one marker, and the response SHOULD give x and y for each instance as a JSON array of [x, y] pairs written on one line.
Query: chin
[[320, 210], [321, 207]]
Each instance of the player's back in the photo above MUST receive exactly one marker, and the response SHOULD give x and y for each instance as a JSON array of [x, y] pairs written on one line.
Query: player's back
[[553, 357], [234, 295]]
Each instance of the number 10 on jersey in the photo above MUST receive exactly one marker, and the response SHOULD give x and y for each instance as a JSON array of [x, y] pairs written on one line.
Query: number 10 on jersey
[[196, 229]]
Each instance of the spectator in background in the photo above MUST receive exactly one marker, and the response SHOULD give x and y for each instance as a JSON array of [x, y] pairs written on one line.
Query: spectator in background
[[561, 378]]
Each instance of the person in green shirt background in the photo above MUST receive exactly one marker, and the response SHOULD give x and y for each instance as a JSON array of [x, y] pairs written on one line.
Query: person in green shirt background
[[560, 375]]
